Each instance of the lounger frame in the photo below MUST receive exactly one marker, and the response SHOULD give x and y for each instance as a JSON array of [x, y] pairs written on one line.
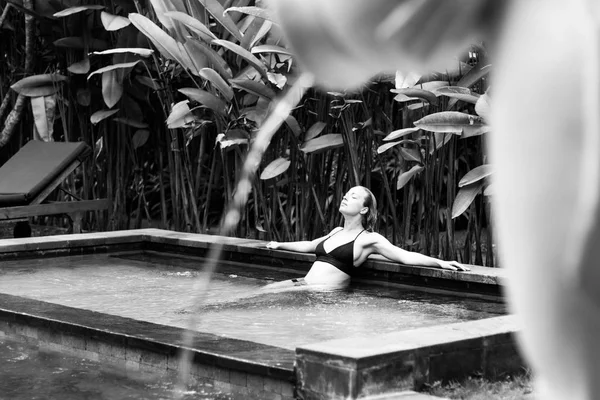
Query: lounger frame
[[74, 209]]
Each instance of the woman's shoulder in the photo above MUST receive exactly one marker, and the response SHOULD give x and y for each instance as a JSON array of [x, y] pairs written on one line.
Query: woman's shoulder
[[369, 238]]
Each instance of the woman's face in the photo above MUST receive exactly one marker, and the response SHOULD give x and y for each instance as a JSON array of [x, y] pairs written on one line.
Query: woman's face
[[353, 201]]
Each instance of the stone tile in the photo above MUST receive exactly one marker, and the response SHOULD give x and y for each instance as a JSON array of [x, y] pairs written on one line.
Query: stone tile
[[73, 341], [131, 365], [503, 359], [272, 385], [389, 376], [173, 362], [133, 355], [255, 382], [321, 378], [287, 389], [158, 361], [455, 365], [238, 378], [222, 375]]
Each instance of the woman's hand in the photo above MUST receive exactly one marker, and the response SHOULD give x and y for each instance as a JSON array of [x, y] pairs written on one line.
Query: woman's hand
[[453, 266], [273, 245]]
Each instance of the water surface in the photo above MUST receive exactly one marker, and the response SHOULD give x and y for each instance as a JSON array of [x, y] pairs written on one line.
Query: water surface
[[161, 288]]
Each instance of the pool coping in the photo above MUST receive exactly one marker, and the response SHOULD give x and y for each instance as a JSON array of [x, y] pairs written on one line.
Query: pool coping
[[344, 368], [374, 266]]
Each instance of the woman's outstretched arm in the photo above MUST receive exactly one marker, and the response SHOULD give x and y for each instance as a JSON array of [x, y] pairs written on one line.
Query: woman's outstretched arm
[[303, 246], [383, 247]]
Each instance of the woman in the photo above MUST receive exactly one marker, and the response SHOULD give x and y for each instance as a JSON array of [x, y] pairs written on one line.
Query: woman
[[347, 247]]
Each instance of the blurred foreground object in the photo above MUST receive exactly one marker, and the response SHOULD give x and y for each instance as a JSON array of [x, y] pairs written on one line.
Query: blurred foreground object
[[345, 42], [545, 145]]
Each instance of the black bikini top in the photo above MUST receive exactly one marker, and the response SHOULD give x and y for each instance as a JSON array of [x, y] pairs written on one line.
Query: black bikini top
[[342, 257]]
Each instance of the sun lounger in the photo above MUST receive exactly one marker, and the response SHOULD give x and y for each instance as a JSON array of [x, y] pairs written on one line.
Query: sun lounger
[[37, 169]]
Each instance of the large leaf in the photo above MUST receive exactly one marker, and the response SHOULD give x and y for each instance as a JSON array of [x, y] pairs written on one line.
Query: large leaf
[[441, 139], [78, 9], [399, 133], [218, 12], [161, 8], [275, 168], [166, 45], [253, 87], [314, 130], [465, 197], [180, 115], [452, 122], [112, 90], [414, 93], [476, 174], [213, 77], [102, 114], [245, 54], [479, 71], [131, 122], [254, 11], [278, 80], [256, 32], [293, 124], [191, 60], [140, 51], [270, 48], [410, 154], [233, 137], [459, 93], [113, 67], [77, 42], [203, 32], [406, 176], [80, 67], [217, 62], [406, 81], [432, 86], [140, 137], [482, 107], [323, 143], [43, 109], [385, 147], [113, 22], [38, 85], [206, 99]]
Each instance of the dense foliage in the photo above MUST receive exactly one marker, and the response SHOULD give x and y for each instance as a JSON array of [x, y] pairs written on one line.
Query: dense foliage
[[171, 93]]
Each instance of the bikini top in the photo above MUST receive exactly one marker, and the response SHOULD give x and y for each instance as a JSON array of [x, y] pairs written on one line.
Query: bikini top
[[342, 257]]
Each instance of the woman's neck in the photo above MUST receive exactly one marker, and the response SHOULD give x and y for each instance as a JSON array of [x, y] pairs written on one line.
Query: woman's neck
[[353, 223]]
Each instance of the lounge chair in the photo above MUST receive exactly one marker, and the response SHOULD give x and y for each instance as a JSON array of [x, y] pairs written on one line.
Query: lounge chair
[[28, 178]]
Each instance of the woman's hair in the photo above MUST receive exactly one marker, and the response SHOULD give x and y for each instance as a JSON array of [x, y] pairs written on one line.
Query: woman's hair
[[370, 218]]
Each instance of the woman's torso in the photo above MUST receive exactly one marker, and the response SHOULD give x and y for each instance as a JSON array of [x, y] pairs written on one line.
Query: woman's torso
[[337, 255]]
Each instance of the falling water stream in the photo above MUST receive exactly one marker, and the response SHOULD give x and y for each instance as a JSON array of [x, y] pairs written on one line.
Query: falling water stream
[[283, 108]]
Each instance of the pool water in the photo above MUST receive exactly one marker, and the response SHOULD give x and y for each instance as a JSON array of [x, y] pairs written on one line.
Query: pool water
[[30, 372], [161, 288]]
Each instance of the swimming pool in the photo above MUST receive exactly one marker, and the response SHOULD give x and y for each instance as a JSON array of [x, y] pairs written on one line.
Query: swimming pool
[[124, 297], [159, 288]]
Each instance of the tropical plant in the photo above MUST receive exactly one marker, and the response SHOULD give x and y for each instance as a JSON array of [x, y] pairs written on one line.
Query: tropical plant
[[171, 94]]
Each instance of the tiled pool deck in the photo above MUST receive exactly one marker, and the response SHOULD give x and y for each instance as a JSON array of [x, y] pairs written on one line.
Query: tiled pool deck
[[345, 368]]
